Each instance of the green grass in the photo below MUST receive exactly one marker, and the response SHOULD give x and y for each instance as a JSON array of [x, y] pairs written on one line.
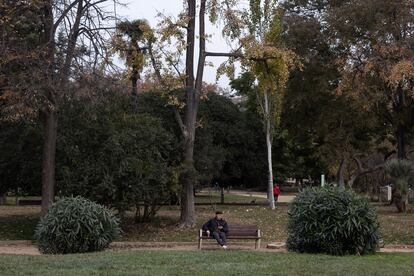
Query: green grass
[[18, 223], [163, 229], [206, 263], [18, 227], [215, 198]]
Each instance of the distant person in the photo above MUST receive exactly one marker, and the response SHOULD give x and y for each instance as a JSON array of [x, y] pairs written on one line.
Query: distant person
[[276, 191], [217, 227]]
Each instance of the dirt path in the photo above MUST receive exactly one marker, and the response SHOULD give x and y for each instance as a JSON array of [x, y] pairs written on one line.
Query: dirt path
[[26, 248], [282, 198], [19, 250]]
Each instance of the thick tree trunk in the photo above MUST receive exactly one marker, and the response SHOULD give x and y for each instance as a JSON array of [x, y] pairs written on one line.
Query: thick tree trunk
[[398, 200], [401, 104], [48, 162], [269, 139], [401, 142], [187, 218], [50, 118]]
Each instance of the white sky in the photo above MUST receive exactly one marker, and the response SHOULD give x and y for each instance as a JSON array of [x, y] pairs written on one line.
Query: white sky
[[148, 9]]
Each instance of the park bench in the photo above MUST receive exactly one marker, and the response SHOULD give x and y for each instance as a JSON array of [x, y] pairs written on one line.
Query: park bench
[[26, 202], [236, 232]]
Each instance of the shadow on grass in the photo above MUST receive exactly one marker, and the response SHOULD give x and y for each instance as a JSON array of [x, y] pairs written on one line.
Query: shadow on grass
[[18, 227]]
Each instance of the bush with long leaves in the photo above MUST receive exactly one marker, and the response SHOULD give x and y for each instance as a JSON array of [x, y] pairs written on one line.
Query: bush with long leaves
[[76, 225], [401, 172], [332, 220]]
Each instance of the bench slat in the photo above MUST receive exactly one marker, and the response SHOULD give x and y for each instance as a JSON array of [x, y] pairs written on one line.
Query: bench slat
[[235, 237], [242, 232]]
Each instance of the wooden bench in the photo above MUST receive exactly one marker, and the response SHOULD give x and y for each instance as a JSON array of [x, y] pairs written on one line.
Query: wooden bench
[[27, 202], [236, 232]]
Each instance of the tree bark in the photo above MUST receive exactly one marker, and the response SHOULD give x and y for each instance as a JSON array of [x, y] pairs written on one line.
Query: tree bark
[[363, 171], [401, 142], [49, 119], [3, 199], [401, 129], [269, 139], [50, 113], [134, 82], [340, 175], [187, 217], [48, 162]]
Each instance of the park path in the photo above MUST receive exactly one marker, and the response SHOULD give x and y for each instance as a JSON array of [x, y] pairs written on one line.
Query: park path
[[26, 247], [249, 194], [282, 198]]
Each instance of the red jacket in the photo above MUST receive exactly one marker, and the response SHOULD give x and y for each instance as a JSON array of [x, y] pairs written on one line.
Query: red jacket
[[276, 190]]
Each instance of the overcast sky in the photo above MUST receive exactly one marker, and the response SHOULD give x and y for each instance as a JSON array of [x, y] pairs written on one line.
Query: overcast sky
[[148, 9]]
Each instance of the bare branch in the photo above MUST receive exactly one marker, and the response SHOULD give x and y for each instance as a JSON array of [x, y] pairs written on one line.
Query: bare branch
[[63, 15]]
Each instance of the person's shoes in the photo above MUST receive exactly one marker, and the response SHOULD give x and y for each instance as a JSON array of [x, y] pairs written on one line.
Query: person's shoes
[[224, 246]]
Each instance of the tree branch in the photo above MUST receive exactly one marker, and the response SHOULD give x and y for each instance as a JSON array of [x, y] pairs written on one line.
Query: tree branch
[[63, 15], [180, 122]]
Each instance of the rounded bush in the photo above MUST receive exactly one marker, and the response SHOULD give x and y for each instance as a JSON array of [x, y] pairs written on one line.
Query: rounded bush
[[76, 225], [332, 220]]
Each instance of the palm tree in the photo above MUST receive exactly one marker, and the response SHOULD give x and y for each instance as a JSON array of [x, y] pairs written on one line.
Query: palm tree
[[401, 172], [131, 41]]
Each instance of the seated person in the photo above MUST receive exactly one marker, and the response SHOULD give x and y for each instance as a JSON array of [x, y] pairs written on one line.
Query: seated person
[[217, 227]]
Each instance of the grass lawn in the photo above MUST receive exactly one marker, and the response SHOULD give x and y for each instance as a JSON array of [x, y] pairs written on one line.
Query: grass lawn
[[215, 197], [19, 222], [206, 263]]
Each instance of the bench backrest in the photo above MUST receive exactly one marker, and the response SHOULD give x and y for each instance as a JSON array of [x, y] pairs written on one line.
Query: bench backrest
[[241, 231]]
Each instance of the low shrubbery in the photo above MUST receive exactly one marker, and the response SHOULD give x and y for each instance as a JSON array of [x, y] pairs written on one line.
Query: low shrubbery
[[332, 220], [76, 225], [401, 172]]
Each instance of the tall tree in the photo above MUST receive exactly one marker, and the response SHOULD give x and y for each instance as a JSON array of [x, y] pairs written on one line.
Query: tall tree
[[131, 41], [270, 64], [235, 28], [70, 30], [374, 41]]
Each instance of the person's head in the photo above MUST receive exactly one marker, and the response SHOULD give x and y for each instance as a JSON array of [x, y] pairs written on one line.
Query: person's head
[[219, 214]]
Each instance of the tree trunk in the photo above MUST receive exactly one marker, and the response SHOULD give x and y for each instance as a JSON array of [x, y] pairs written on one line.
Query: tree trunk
[[49, 119], [187, 217], [340, 175], [134, 82], [401, 142], [401, 128], [269, 139], [398, 201], [48, 162], [3, 199]]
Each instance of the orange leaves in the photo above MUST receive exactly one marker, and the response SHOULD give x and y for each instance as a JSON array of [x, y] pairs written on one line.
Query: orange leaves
[[401, 72]]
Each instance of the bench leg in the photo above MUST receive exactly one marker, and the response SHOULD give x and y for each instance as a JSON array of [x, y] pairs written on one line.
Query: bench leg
[[257, 245], [200, 241]]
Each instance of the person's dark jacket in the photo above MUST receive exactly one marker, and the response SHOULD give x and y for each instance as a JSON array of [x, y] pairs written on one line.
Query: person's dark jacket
[[213, 225]]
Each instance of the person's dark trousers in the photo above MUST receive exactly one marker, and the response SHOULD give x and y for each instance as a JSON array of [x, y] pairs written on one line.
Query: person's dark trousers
[[220, 237]]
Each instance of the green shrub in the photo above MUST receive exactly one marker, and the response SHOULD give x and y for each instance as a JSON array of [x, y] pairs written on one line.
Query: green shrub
[[76, 225], [402, 175], [332, 220]]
